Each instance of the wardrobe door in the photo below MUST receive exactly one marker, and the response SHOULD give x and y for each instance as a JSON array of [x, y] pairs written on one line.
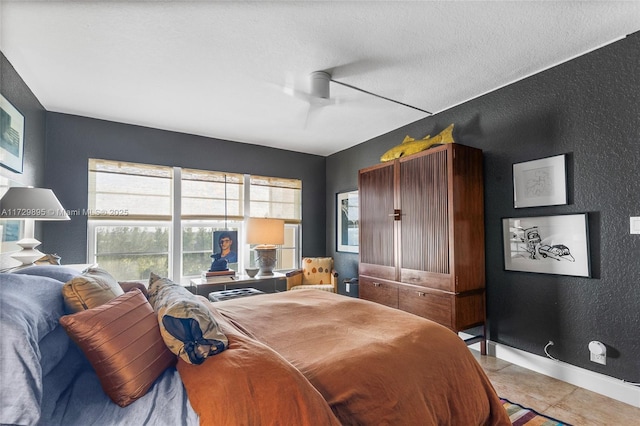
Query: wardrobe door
[[425, 231], [377, 240]]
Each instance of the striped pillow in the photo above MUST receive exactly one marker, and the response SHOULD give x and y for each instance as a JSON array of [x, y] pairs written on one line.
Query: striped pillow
[[122, 341]]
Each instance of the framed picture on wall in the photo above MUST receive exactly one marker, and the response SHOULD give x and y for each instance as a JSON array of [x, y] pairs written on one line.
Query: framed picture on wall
[[547, 244], [540, 182], [347, 221], [11, 136]]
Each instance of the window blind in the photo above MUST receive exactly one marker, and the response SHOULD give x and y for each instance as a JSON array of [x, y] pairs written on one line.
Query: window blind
[[131, 191], [276, 198], [212, 195]]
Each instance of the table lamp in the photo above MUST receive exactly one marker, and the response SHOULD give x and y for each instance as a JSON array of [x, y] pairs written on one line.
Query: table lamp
[[30, 204], [267, 233]]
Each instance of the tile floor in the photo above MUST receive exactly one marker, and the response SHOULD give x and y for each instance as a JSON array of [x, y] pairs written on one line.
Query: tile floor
[[555, 398]]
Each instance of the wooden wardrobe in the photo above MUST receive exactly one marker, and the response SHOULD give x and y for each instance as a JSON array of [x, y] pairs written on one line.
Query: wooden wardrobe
[[422, 236]]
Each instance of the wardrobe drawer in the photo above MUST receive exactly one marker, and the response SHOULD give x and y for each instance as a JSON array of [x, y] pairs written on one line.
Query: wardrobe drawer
[[379, 291], [436, 306]]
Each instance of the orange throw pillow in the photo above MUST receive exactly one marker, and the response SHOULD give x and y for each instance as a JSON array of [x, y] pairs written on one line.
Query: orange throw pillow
[[122, 341]]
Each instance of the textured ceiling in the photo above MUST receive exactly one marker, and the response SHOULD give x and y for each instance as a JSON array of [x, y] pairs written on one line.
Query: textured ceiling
[[239, 70]]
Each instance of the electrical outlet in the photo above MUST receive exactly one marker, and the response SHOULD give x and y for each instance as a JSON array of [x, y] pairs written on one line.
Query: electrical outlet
[[600, 359], [598, 352]]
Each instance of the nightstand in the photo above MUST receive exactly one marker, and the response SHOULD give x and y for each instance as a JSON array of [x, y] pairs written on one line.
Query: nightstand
[[267, 284]]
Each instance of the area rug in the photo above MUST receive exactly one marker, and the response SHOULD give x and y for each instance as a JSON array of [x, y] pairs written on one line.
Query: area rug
[[521, 416]]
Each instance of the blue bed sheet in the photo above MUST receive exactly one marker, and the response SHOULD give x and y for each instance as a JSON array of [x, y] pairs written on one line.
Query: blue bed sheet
[[72, 396], [45, 379]]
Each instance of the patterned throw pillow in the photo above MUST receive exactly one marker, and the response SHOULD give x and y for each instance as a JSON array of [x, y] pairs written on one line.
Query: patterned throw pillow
[[186, 324], [93, 288], [317, 270]]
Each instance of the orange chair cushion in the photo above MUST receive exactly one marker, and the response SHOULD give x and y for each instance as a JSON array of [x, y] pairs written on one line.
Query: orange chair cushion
[[316, 270]]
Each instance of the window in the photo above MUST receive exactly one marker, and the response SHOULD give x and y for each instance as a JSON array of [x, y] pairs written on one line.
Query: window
[[210, 202], [137, 210], [212, 195], [128, 190], [132, 249], [279, 199], [198, 244], [276, 198], [130, 217]]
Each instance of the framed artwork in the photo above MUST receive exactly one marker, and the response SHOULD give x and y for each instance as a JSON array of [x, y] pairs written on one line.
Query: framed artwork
[[11, 136], [540, 182], [11, 231], [347, 221], [547, 244], [225, 246]]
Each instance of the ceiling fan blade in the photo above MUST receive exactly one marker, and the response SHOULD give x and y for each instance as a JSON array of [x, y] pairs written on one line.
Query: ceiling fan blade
[[298, 94], [306, 118], [313, 110], [288, 87]]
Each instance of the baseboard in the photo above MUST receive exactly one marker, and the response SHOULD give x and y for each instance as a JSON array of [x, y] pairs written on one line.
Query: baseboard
[[595, 382]]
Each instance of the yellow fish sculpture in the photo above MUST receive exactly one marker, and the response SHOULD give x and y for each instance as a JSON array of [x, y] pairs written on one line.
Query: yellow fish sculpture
[[410, 146]]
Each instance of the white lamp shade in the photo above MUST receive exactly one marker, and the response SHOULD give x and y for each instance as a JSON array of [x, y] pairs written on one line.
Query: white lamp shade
[[31, 203], [265, 231]]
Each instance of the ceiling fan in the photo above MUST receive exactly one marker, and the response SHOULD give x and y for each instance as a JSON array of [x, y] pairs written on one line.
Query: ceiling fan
[[319, 94]]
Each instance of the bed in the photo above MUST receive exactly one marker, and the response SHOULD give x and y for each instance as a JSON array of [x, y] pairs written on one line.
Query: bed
[[304, 358]]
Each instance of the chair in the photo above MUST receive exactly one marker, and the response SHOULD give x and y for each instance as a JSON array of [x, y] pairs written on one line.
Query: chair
[[317, 273]]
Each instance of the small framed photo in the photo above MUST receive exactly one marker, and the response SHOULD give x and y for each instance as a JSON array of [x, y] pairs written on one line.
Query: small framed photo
[[547, 244], [540, 182], [225, 246], [11, 136], [347, 221]]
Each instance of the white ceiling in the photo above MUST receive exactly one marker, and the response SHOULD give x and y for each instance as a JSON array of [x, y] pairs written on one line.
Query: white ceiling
[[220, 69]]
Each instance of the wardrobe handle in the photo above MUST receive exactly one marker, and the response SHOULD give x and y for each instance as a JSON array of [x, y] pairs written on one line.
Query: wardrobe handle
[[376, 284], [396, 214], [421, 294]]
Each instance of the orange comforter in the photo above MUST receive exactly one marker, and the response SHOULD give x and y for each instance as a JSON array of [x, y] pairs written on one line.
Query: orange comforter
[[371, 364]]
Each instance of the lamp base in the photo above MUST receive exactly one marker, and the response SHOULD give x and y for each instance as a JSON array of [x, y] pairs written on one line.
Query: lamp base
[[266, 259], [28, 254]]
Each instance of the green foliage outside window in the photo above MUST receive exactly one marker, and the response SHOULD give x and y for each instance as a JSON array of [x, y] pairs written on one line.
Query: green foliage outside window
[[130, 267], [133, 252], [197, 247]]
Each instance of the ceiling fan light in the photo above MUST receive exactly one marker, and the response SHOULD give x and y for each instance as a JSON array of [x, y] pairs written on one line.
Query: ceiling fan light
[[320, 84]]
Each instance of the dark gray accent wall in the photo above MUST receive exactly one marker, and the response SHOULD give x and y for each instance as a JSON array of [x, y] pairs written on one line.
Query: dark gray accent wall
[[14, 89], [72, 140], [589, 109]]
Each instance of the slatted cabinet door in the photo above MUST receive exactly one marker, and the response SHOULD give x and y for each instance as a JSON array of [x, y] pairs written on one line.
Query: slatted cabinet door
[[377, 224], [424, 234]]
